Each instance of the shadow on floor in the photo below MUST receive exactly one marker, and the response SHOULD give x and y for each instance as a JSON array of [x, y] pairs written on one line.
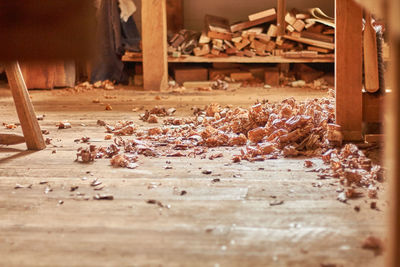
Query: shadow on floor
[[15, 154]]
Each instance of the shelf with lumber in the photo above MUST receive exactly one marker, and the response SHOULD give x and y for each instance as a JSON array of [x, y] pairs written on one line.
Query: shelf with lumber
[[328, 58], [290, 38]]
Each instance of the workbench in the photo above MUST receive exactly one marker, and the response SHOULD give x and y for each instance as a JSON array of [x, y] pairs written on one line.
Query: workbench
[[348, 57]]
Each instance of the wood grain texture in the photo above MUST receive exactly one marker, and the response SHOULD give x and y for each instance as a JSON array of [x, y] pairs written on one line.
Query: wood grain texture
[[154, 35], [371, 73], [30, 126], [348, 67], [230, 223]]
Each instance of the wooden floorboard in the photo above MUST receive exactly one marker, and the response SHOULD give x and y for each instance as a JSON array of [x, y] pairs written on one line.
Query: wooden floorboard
[[225, 223]]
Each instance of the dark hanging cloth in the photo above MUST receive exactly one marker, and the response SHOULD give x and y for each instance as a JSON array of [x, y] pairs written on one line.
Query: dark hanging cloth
[[113, 38], [130, 35]]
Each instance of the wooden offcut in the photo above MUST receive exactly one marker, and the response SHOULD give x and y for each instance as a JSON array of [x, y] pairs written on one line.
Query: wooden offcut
[[202, 51], [272, 30], [307, 73], [248, 24], [318, 49], [262, 14], [271, 76], [218, 27], [241, 76], [290, 18], [221, 73], [185, 74], [311, 42], [299, 25], [318, 36]]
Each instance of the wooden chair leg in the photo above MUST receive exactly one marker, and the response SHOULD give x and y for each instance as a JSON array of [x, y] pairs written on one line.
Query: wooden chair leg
[[30, 126]]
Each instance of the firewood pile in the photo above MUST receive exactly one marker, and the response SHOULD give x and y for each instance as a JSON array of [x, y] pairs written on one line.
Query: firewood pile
[[263, 131], [307, 35]]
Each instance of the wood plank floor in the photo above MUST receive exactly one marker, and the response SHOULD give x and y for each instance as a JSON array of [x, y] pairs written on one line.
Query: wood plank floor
[[226, 223]]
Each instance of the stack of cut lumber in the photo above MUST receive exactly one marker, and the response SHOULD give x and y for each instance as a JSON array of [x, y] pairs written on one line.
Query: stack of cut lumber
[[304, 37]]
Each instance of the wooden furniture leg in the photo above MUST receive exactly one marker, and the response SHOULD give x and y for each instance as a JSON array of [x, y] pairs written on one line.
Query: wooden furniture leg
[[30, 126], [154, 41], [348, 70]]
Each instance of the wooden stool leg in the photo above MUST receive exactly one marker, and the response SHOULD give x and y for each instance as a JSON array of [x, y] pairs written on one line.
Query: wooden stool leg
[[30, 126]]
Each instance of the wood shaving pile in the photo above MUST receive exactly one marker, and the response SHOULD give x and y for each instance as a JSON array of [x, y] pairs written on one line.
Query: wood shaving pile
[[263, 131]]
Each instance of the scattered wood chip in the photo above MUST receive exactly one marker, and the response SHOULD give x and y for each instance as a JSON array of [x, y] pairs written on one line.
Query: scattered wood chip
[[215, 156], [86, 155], [63, 125], [124, 161], [276, 202], [108, 107], [19, 186], [352, 193], [103, 197], [373, 243], [10, 126], [95, 182], [73, 188], [40, 117], [48, 189], [342, 197], [373, 205], [308, 163], [99, 188], [101, 123], [155, 202]]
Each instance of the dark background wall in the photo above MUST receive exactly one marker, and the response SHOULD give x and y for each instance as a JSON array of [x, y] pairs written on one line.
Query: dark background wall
[[236, 10]]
